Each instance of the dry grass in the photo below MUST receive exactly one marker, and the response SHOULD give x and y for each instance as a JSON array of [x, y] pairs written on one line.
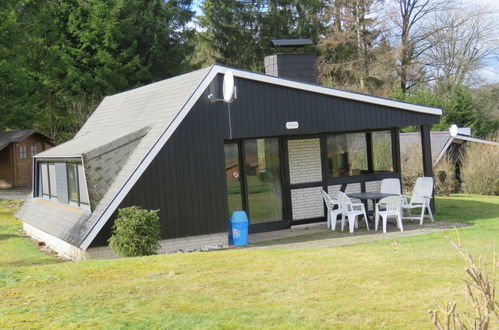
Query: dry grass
[[483, 307], [480, 169]]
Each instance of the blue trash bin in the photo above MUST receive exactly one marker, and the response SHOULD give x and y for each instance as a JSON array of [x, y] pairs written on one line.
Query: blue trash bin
[[239, 228]]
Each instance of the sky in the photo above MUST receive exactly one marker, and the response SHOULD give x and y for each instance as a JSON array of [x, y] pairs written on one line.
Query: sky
[[490, 72]]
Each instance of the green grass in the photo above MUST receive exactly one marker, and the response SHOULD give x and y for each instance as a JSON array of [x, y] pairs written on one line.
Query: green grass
[[388, 284]]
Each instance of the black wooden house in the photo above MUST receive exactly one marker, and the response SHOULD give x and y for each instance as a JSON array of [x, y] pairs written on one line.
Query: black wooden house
[[171, 146]]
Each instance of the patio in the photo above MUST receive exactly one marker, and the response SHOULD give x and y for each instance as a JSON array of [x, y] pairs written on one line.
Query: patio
[[319, 236]]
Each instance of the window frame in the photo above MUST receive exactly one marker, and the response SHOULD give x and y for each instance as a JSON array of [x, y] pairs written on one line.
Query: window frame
[[371, 173], [44, 172], [368, 154], [78, 201], [50, 194], [33, 150], [23, 152]]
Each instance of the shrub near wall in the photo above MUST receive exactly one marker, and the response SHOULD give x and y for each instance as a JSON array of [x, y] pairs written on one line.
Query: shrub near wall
[[480, 169], [445, 176], [136, 232]]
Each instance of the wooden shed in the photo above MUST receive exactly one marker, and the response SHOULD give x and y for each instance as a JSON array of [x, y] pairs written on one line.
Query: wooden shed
[[17, 149]]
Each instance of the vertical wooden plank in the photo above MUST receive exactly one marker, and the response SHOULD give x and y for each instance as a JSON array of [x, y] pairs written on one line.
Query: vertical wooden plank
[[427, 161]]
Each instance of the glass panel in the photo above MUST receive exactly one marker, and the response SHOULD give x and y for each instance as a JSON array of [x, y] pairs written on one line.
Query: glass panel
[[82, 185], [52, 179], [382, 151], [411, 159], [347, 154], [45, 179], [72, 182], [233, 178], [22, 152], [34, 150], [263, 175]]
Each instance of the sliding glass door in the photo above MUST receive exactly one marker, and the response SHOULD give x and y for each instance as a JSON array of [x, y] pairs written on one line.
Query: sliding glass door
[[263, 180], [253, 176]]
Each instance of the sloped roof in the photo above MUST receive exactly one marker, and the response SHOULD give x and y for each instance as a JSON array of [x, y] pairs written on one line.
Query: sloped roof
[[159, 108], [9, 137], [439, 142], [134, 119]]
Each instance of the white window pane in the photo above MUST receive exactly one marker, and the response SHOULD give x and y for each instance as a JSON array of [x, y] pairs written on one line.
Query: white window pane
[[53, 185], [82, 185], [45, 179]]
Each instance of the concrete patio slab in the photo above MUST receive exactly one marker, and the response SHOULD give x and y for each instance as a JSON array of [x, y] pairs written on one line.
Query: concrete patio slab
[[15, 193], [319, 236]]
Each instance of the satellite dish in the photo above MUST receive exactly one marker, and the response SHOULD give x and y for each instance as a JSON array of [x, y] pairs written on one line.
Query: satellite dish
[[453, 130], [228, 87]]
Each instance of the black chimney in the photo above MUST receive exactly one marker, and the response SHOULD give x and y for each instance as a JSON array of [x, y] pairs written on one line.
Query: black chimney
[[294, 66]]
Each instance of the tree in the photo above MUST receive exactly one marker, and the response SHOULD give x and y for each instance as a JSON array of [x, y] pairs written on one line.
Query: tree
[[463, 39], [239, 32], [73, 50], [413, 35], [354, 49]]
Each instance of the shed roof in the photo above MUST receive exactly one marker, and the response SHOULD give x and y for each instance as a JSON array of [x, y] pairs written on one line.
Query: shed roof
[[440, 142], [8, 137], [136, 124]]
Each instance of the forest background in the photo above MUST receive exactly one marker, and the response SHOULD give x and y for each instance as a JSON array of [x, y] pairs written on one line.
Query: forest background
[[59, 58]]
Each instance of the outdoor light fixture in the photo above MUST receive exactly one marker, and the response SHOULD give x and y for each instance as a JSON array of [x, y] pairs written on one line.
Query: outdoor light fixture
[[292, 125]]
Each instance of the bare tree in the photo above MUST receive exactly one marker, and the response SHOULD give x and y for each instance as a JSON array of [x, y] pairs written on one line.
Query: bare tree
[[462, 41], [354, 48], [413, 36]]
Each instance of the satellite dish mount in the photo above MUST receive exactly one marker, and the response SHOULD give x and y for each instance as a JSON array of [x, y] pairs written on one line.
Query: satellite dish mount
[[229, 89]]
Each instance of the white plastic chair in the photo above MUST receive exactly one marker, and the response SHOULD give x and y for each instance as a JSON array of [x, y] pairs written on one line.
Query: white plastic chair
[[351, 211], [389, 207], [332, 214], [421, 197], [390, 186]]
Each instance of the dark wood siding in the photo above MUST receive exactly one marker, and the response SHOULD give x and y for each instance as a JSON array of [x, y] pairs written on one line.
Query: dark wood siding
[[186, 181], [263, 110]]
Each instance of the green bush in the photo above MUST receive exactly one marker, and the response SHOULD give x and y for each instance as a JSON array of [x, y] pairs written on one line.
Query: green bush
[[136, 232]]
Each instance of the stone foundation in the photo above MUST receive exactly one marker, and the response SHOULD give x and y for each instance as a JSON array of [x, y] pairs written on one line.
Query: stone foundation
[[72, 252]]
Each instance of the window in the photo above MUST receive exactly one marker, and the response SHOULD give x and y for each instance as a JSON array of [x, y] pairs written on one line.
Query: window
[[72, 171], [263, 180], [77, 192], [73, 189], [233, 177], [347, 154], [82, 187], [22, 152], [382, 151], [49, 187], [34, 150]]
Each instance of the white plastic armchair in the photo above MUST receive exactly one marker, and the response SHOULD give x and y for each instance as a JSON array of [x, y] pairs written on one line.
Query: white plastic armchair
[[390, 186], [332, 213], [420, 199], [389, 207], [351, 211]]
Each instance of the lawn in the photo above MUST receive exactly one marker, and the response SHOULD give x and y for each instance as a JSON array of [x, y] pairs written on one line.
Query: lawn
[[388, 284]]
